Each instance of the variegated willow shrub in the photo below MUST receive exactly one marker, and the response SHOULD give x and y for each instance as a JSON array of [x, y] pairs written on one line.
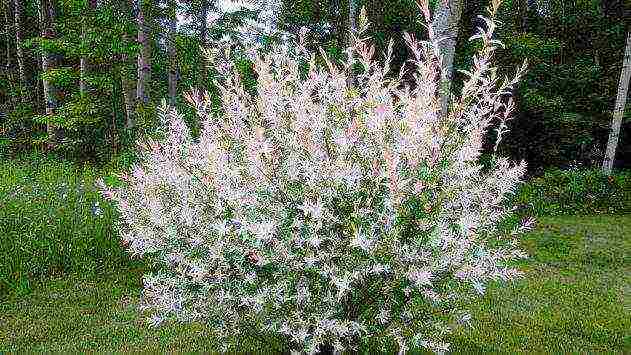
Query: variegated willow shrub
[[327, 212]]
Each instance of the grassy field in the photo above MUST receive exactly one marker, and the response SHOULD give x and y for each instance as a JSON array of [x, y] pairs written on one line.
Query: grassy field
[[576, 298]]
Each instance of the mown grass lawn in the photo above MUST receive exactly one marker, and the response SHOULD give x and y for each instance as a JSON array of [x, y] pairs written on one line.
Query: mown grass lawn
[[576, 297]]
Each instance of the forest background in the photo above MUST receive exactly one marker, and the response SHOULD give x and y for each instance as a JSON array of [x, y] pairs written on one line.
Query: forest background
[[82, 78]]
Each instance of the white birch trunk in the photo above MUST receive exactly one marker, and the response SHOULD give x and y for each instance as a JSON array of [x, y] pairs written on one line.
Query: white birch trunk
[[445, 27], [18, 9], [6, 9], [47, 20], [621, 100]]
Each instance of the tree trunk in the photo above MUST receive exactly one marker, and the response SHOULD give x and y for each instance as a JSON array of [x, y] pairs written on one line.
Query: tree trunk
[[623, 87], [5, 37], [40, 103], [8, 65], [115, 69], [8, 20], [522, 10], [445, 26], [144, 57], [172, 53], [84, 65], [18, 10], [129, 94], [352, 17], [128, 75], [203, 17], [129, 90], [47, 20], [83, 69]]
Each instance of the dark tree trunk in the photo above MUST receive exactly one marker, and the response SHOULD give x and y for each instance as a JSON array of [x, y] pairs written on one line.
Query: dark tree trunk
[[522, 10], [128, 73], [144, 57], [172, 53], [84, 64]]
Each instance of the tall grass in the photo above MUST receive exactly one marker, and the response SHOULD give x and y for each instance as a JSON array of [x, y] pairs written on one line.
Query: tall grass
[[52, 221]]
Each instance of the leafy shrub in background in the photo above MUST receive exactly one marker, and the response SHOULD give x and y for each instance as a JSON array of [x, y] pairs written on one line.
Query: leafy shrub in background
[[327, 214], [583, 192], [52, 220]]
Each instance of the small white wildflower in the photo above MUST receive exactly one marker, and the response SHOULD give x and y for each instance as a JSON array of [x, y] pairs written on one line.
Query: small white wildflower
[[197, 271], [465, 318], [196, 241], [300, 335], [302, 294], [264, 230], [407, 291], [431, 295], [361, 241], [221, 227], [314, 210], [284, 329]]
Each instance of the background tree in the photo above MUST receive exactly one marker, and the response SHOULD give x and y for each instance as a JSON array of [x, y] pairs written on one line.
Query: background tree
[[621, 100], [172, 19], [144, 55], [8, 57], [84, 65], [47, 21], [445, 26], [18, 12], [564, 103]]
